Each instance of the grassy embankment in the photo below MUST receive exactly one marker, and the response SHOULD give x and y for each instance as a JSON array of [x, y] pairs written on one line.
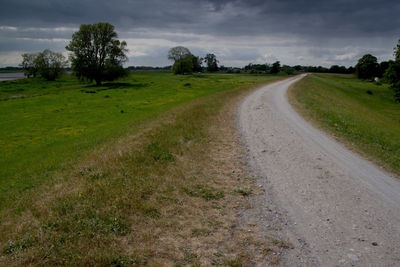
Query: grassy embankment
[[361, 114], [132, 173]]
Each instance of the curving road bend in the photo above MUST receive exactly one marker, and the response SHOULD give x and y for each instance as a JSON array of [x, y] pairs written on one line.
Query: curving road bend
[[340, 209]]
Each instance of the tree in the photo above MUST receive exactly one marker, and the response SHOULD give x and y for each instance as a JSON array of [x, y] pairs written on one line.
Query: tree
[[96, 53], [28, 64], [50, 65], [392, 73], [298, 68], [178, 52], [367, 67], [256, 68], [397, 51], [383, 66], [212, 62], [351, 70], [183, 60], [183, 65], [287, 69], [276, 67], [197, 61]]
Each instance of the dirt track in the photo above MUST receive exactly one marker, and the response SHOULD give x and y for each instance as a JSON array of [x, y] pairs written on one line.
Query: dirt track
[[338, 209]]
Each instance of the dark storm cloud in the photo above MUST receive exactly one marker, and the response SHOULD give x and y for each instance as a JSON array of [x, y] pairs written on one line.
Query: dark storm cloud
[[314, 18], [232, 17], [239, 31]]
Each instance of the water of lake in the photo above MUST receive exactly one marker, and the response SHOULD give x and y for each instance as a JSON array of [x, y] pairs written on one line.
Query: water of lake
[[11, 76]]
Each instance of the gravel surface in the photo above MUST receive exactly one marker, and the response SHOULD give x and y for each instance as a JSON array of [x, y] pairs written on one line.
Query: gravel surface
[[337, 208]]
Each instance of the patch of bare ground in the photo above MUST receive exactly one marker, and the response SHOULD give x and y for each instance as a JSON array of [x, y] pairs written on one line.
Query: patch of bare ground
[[174, 193]]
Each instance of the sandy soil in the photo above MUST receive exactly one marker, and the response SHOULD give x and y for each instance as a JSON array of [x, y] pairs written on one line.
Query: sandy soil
[[338, 209]]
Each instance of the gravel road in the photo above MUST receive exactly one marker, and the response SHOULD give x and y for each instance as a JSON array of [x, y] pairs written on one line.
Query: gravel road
[[338, 209]]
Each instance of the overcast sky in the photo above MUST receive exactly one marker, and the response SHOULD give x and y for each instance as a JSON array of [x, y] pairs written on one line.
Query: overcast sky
[[306, 32]]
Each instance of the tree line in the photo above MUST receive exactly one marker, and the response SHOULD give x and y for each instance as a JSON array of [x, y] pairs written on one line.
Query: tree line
[[96, 54], [47, 64], [186, 63], [269, 68], [368, 68]]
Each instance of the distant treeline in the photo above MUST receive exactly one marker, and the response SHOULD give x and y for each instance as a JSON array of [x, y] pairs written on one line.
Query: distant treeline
[[20, 69], [139, 68], [254, 68], [11, 69], [260, 68]]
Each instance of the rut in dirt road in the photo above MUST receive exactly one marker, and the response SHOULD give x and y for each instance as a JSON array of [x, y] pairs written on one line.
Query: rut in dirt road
[[342, 208]]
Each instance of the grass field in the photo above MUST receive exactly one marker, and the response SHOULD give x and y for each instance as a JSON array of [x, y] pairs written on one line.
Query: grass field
[[362, 114], [47, 126], [152, 185]]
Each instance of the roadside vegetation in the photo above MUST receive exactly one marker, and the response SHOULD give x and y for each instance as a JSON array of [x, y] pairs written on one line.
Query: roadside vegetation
[[364, 115], [369, 69], [140, 172]]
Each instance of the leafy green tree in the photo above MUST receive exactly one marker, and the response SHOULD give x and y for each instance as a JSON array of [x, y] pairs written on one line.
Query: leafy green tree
[[287, 69], [383, 66], [392, 73], [351, 70], [96, 53], [197, 61], [257, 68], [183, 65], [338, 69], [276, 67], [298, 68], [397, 51], [178, 52], [367, 67], [28, 64], [183, 60], [48, 64], [212, 62]]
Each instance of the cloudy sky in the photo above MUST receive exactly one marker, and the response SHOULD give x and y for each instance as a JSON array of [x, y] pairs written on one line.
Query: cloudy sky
[[306, 32]]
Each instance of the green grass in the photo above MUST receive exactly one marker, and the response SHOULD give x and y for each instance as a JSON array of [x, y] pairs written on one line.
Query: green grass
[[362, 114], [138, 197], [50, 126]]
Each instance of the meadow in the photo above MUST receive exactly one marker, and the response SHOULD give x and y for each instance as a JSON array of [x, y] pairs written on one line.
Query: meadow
[[361, 114], [46, 126], [133, 173]]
